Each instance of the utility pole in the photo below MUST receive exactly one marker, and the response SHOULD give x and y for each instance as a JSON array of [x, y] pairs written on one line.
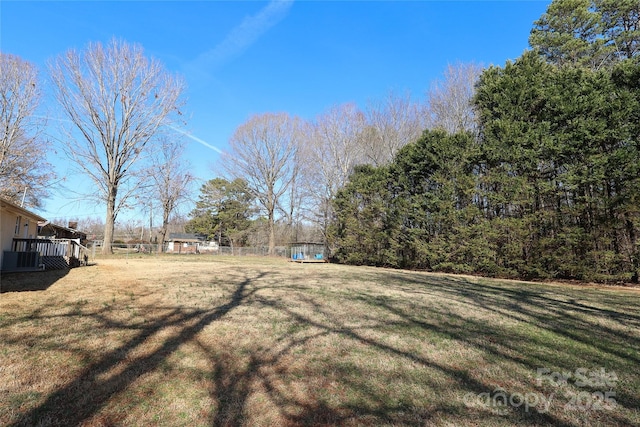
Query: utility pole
[[150, 218], [23, 196]]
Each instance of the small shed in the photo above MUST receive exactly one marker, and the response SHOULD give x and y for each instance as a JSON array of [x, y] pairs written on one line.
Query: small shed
[[184, 243], [308, 252]]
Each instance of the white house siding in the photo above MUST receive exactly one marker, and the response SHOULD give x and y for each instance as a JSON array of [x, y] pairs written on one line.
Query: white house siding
[[26, 229]]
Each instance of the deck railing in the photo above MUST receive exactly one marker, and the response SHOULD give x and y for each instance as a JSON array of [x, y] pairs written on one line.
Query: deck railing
[[71, 250]]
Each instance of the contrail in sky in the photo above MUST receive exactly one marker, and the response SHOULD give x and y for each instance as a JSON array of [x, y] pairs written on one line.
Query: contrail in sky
[[196, 139], [245, 34], [185, 133]]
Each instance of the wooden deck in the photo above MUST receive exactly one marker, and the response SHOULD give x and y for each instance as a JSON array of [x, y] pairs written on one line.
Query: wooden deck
[[309, 260], [52, 254]]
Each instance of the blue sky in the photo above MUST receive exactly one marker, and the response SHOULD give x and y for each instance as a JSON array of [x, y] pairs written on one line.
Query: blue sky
[[247, 57]]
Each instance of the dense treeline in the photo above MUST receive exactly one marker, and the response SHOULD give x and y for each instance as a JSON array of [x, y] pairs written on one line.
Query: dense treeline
[[549, 187]]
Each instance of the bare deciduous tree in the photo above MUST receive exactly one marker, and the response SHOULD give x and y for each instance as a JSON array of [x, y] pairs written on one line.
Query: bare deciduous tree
[[263, 152], [116, 98], [392, 124], [334, 147], [93, 226], [171, 180], [22, 150], [449, 101], [292, 207]]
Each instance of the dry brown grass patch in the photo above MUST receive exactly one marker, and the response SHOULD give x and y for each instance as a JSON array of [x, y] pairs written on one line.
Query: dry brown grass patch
[[191, 340]]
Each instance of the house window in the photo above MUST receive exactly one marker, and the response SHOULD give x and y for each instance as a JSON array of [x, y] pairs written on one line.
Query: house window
[[18, 222]]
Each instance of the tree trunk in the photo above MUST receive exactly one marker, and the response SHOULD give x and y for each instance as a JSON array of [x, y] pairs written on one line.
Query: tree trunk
[[109, 223], [163, 231], [272, 234]]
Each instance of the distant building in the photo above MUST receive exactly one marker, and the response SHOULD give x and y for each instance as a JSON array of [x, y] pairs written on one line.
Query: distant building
[[50, 230], [184, 243]]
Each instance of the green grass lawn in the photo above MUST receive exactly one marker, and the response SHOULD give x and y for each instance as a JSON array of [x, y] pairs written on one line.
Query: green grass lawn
[[208, 341]]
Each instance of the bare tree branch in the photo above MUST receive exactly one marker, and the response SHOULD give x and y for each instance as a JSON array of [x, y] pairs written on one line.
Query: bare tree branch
[[333, 148], [392, 124], [449, 101], [171, 180], [22, 150], [263, 152], [116, 99]]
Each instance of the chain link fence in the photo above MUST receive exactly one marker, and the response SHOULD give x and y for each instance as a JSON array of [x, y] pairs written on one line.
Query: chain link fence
[[152, 249]]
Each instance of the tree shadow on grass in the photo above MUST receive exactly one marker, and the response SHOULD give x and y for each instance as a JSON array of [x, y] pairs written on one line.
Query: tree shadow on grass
[[379, 410], [555, 312], [564, 330], [89, 392], [28, 281], [234, 386], [237, 375]]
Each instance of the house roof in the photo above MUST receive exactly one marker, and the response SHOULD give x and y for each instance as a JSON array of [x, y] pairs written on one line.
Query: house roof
[[185, 237], [12, 207], [59, 227]]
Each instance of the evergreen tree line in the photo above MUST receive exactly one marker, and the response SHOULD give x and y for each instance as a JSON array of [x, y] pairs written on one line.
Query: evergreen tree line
[[547, 187]]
